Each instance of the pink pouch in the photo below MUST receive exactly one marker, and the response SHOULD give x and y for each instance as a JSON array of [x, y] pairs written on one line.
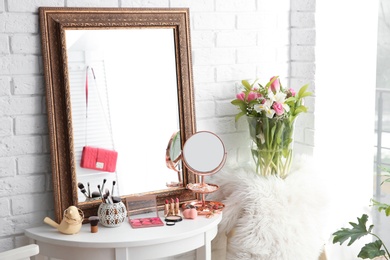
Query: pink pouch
[[98, 159]]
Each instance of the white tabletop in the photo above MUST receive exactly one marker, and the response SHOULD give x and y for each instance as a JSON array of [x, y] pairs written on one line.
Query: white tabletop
[[125, 236]]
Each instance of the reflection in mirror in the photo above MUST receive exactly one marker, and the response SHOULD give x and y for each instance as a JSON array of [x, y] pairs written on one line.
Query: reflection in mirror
[[131, 93], [173, 158], [141, 85]]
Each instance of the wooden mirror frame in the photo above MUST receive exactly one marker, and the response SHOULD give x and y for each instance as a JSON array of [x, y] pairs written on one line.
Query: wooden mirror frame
[[53, 23]]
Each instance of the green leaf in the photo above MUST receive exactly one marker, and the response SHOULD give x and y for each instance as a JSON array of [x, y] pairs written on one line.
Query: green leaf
[[357, 231], [239, 115], [299, 110], [381, 206], [246, 85], [302, 90], [306, 94], [372, 250]]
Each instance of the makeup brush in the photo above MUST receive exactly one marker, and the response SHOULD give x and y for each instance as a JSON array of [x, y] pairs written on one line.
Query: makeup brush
[[101, 195], [95, 194], [82, 189], [112, 191], [89, 191], [104, 182]]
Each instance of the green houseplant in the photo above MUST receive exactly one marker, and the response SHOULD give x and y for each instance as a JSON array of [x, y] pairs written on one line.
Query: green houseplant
[[370, 250]]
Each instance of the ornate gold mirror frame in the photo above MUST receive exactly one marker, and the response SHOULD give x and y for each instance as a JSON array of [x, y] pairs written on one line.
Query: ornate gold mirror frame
[[53, 23]]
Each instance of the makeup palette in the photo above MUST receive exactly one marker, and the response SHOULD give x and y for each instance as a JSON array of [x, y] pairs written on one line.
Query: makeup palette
[[142, 212]]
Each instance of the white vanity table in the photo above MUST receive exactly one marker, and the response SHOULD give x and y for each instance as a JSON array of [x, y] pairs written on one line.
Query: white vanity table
[[124, 242]]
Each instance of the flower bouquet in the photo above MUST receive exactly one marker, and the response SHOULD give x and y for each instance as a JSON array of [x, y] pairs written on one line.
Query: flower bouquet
[[271, 111]]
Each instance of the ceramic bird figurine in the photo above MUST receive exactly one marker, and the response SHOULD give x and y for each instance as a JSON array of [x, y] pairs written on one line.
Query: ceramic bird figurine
[[71, 222]]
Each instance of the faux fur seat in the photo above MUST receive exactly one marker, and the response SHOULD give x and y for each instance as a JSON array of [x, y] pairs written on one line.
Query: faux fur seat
[[270, 218]]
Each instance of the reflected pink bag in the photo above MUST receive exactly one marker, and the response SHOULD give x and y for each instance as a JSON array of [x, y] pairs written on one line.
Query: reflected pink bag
[[99, 159], [95, 158]]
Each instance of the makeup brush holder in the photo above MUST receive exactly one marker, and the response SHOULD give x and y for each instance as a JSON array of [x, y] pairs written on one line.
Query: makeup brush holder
[[112, 215]]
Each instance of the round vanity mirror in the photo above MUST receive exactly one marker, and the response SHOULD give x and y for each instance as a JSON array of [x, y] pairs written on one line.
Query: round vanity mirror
[[204, 153], [173, 156]]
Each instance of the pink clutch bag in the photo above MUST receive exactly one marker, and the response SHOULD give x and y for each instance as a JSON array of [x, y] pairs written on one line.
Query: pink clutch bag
[[98, 159]]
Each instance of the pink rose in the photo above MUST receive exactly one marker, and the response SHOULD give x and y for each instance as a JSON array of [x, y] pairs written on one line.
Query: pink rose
[[241, 96], [275, 86], [278, 108], [253, 95], [292, 91]]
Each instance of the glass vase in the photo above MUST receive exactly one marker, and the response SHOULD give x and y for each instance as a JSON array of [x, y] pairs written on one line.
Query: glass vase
[[272, 144]]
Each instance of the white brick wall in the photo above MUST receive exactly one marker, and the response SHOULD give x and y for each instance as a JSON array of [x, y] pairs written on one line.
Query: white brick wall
[[231, 40]]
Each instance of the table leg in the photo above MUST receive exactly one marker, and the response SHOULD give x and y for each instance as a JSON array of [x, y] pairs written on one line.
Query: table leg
[[121, 254]]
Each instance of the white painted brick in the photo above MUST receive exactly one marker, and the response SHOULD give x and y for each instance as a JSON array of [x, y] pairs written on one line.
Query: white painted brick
[[282, 54], [5, 243], [6, 124], [255, 54], [309, 136], [302, 53], [216, 125], [274, 6], [225, 108], [4, 44], [32, 6], [302, 69], [283, 21], [22, 185], [296, 83], [205, 109], [203, 74], [6, 227], [19, 64], [5, 209], [223, 90], [22, 222], [22, 240], [215, 56], [31, 203], [303, 5], [145, 3], [20, 105], [19, 23], [92, 3], [28, 85], [236, 39], [5, 86], [205, 92], [31, 125], [256, 20], [1, 10], [202, 39], [235, 72], [303, 19], [19, 44], [45, 144], [7, 166], [33, 164], [214, 21], [199, 5], [271, 38], [10, 146], [236, 6], [303, 36]]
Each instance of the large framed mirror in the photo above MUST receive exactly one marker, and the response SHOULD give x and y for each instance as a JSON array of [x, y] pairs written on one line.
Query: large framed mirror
[[118, 78]]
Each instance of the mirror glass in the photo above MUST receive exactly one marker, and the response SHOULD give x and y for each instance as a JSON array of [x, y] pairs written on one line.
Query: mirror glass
[[204, 153], [138, 65], [132, 92]]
